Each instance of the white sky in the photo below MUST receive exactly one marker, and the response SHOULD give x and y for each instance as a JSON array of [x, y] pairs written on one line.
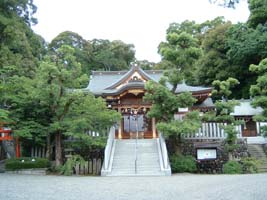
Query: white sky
[[139, 22]]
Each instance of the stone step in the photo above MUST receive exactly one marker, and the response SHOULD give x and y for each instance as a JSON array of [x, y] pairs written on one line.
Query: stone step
[[147, 158]]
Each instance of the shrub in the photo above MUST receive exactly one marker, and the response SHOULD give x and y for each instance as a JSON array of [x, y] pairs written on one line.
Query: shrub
[[232, 167], [180, 163], [69, 166], [250, 165], [26, 163]]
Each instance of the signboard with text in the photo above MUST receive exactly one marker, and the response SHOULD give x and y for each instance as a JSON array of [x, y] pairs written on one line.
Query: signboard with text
[[206, 154]]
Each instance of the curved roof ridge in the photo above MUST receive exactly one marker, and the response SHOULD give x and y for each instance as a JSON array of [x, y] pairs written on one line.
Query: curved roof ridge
[[127, 75]]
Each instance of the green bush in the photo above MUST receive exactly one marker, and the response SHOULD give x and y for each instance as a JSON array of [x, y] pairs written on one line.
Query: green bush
[[232, 167], [180, 163], [250, 165], [26, 163], [68, 168]]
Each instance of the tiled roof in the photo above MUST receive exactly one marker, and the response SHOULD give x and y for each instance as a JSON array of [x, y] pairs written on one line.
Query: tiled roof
[[245, 109], [186, 88], [104, 82]]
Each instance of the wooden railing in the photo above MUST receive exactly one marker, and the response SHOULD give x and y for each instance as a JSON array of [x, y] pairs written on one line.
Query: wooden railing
[[212, 130]]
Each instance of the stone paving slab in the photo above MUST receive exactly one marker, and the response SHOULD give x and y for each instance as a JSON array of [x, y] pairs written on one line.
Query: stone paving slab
[[176, 187]]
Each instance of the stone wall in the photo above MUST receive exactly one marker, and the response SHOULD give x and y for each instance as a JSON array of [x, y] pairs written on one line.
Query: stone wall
[[190, 146]]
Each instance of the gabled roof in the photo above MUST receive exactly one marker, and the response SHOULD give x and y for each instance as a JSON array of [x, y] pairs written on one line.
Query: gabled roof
[[126, 76], [106, 82], [114, 82]]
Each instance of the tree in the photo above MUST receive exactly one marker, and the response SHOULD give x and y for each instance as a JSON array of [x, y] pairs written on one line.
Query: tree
[[165, 104], [20, 52], [245, 47], [259, 90], [223, 111], [83, 49], [214, 64], [258, 12], [115, 55], [225, 3], [194, 29], [57, 82], [221, 89], [182, 51], [24, 9]]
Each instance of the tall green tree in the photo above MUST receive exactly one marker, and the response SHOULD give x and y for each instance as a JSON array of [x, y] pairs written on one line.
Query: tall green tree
[[70, 111], [20, 48], [259, 90], [214, 64], [258, 12], [165, 104], [182, 50], [246, 46], [115, 55], [83, 48], [224, 108], [23, 9]]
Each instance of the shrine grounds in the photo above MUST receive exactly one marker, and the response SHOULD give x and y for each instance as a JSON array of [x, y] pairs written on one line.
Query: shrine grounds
[[178, 187]]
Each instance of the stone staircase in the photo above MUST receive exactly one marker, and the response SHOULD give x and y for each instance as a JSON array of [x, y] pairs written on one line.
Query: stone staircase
[[256, 151], [147, 162]]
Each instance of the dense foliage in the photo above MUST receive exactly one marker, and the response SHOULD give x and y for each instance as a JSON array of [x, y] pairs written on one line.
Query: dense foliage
[[216, 49], [40, 84]]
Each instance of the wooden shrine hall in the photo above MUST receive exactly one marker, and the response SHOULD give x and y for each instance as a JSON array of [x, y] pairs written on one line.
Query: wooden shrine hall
[[124, 91]]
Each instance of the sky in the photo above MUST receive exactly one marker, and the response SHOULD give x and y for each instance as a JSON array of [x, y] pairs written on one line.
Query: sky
[[139, 22]]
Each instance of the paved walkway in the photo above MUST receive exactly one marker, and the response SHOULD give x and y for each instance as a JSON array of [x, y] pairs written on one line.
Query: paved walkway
[[178, 187]]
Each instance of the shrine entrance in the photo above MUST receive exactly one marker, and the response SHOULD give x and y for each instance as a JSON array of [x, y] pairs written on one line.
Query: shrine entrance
[[134, 123], [133, 126]]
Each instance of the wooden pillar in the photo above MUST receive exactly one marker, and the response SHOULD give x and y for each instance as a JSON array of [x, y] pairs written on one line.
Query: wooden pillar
[[154, 128], [17, 148], [120, 126]]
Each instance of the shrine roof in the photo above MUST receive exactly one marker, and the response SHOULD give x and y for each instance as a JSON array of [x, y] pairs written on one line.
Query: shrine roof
[[207, 103], [183, 87], [109, 82], [245, 109]]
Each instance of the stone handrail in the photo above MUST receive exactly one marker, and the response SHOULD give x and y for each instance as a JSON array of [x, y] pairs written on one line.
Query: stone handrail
[[164, 153], [108, 149]]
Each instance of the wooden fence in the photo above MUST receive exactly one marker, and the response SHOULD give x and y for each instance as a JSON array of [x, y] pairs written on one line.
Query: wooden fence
[[92, 167], [93, 164]]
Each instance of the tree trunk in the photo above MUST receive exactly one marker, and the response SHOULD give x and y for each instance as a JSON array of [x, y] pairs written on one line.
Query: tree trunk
[[48, 152], [58, 143]]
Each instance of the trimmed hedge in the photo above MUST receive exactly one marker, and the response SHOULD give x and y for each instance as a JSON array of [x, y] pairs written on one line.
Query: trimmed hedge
[[26, 163], [180, 164]]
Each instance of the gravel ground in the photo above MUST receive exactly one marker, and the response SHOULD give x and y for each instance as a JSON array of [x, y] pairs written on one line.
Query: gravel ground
[[178, 187]]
